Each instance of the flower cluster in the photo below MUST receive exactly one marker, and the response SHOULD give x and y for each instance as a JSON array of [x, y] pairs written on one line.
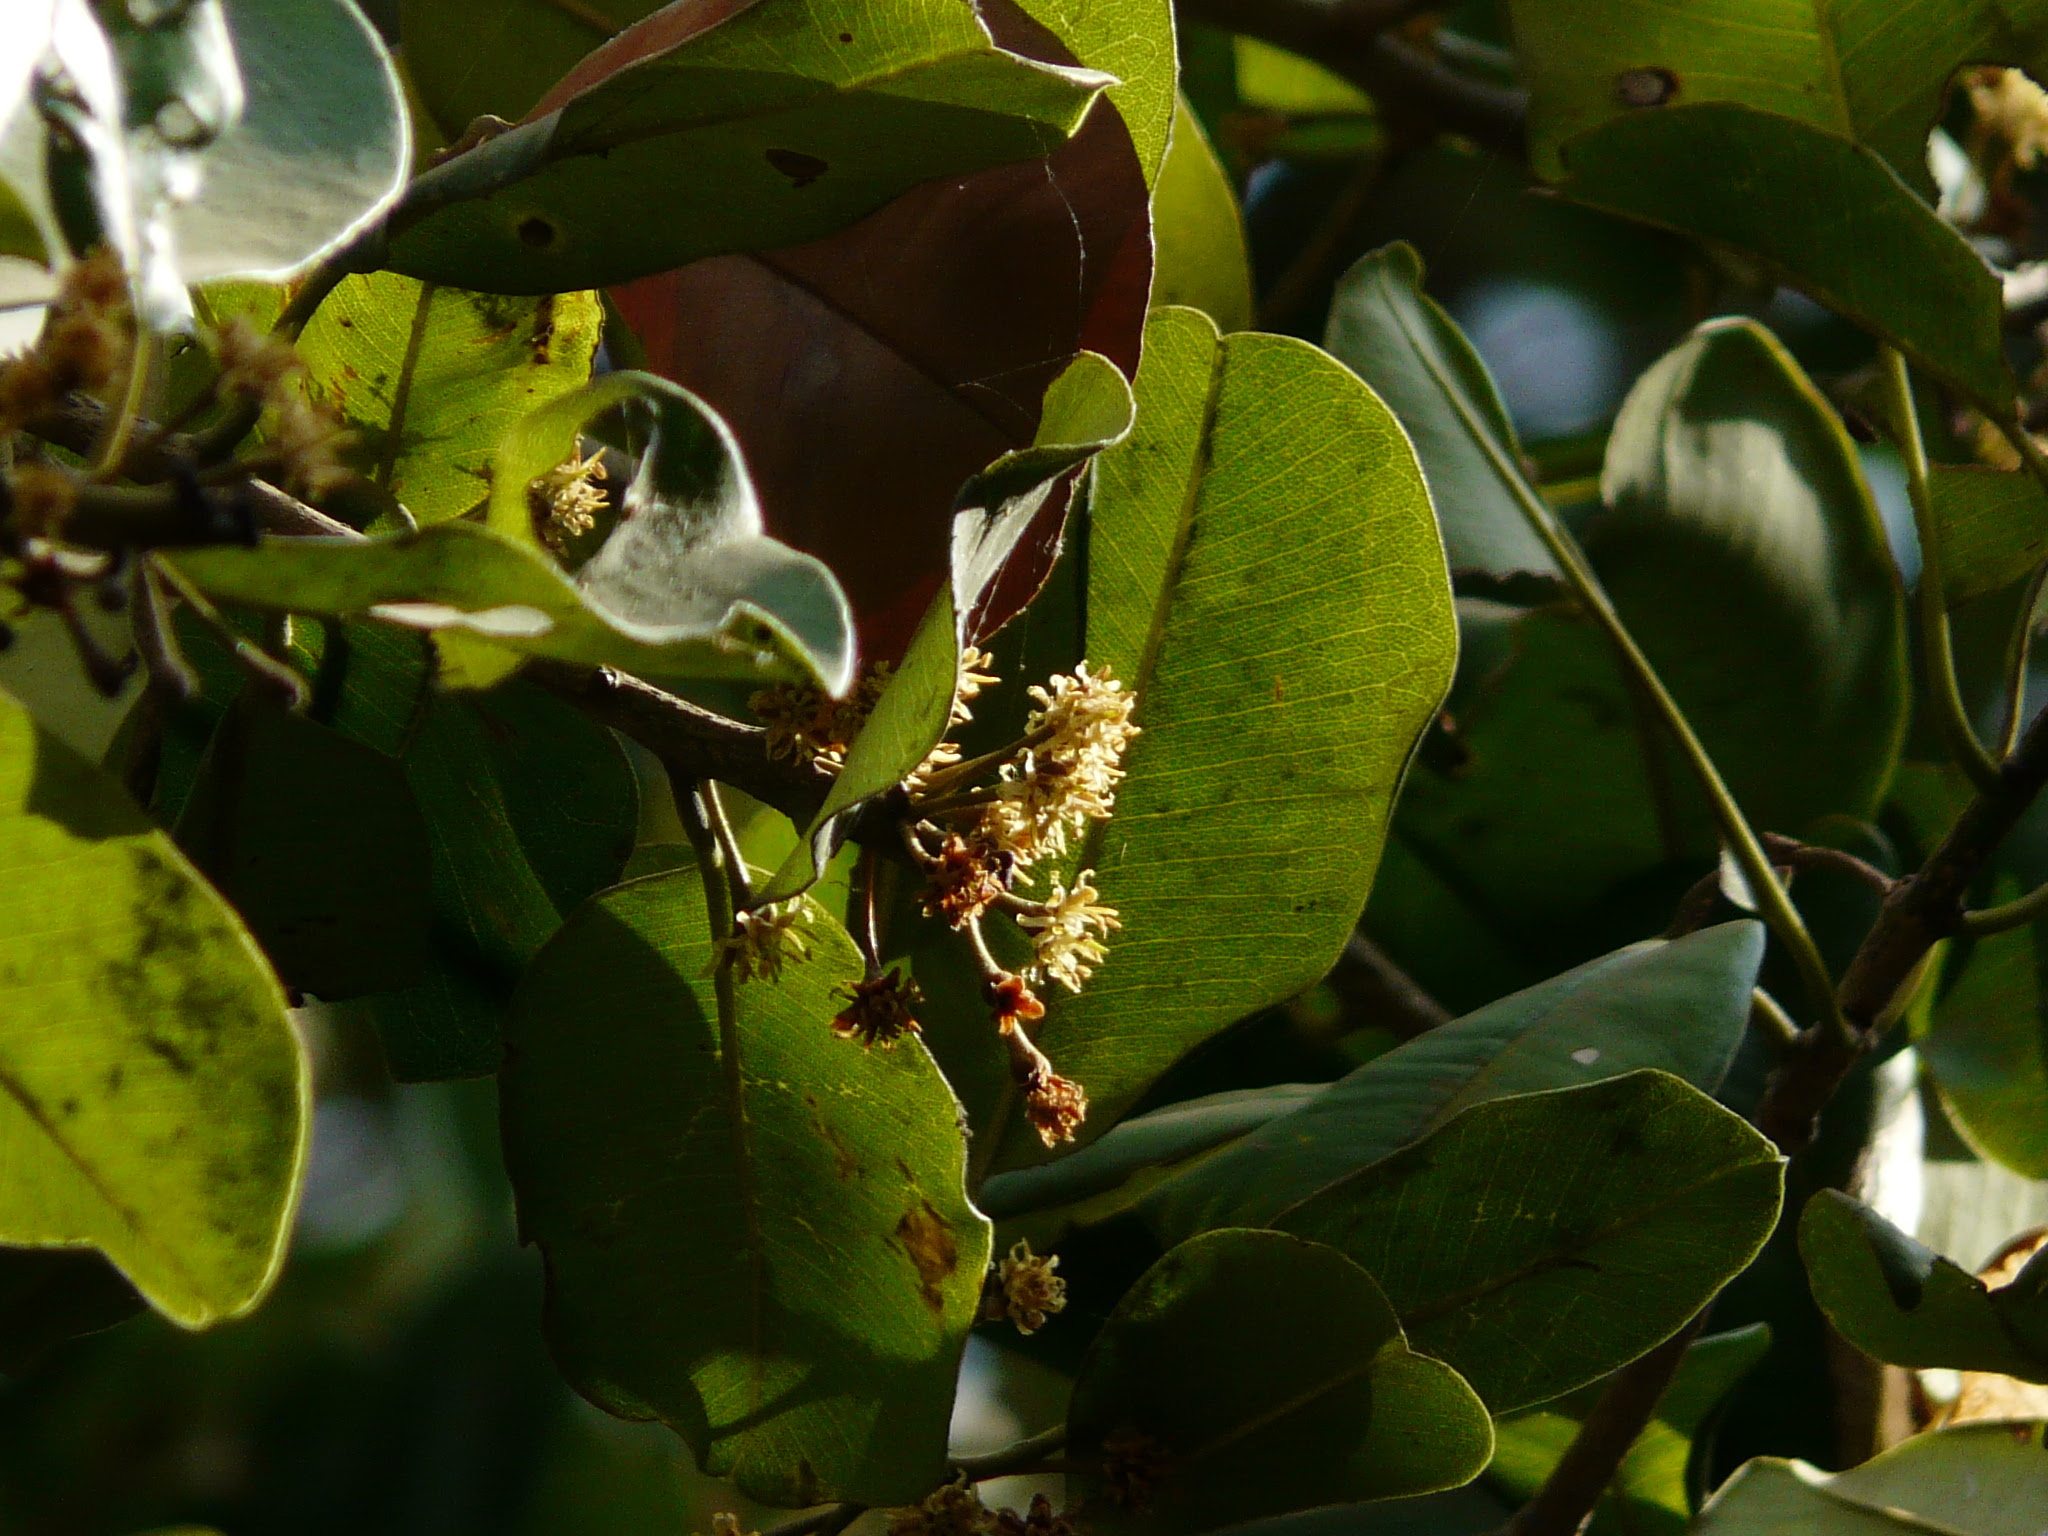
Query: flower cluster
[[85, 342], [566, 500], [879, 1012], [2010, 107], [1024, 1289], [954, 1510], [1063, 947], [724, 1523], [807, 723], [1041, 1521], [1083, 727], [762, 941]]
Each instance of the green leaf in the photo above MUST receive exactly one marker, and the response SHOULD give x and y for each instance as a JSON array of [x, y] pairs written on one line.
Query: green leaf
[[1878, 74], [1400, 341], [1647, 1496], [1739, 542], [784, 122], [1899, 1301], [757, 1234], [1624, 1205], [1201, 261], [318, 842], [155, 1094], [1272, 1375], [1994, 528], [1280, 81], [1737, 508], [1264, 573], [1821, 212], [1133, 40], [686, 586], [430, 380], [1985, 1043], [1679, 1006], [1154, 1141], [1974, 1480], [469, 58]]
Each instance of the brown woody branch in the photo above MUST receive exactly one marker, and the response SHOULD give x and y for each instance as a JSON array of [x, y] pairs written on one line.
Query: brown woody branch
[[1350, 38]]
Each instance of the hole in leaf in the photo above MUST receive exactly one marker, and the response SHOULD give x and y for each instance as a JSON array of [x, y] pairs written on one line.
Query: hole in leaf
[[537, 232], [1649, 87], [800, 168]]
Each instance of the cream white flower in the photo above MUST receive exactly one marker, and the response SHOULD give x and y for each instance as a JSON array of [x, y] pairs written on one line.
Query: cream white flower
[[762, 941], [1064, 947], [567, 500]]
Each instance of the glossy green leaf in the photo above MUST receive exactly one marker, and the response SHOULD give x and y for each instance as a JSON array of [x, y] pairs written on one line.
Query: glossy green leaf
[[1264, 573], [1280, 81], [1159, 1141], [1870, 71], [429, 380], [317, 841], [1624, 1205], [687, 585], [1647, 1496], [1899, 1301], [1087, 408], [1400, 341], [1273, 1376], [1820, 212], [1994, 528], [156, 1097], [1678, 1006], [1552, 796], [782, 123], [1974, 1480], [1984, 1042], [756, 1234], [1730, 480], [1132, 40], [471, 58], [1200, 260], [529, 808]]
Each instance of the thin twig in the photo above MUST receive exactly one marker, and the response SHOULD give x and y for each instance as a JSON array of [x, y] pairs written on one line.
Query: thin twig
[[1770, 1019], [728, 845], [1011, 1459], [119, 428], [1930, 600], [1572, 1492], [829, 1521], [2007, 915], [1793, 854], [268, 673], [1366, 978]]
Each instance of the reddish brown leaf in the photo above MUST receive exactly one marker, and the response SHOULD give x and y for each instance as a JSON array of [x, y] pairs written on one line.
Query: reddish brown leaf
[[871, 373]]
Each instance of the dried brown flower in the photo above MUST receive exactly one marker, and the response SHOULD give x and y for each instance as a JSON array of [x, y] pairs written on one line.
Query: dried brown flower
[[1024, 1289], [964, 878], [254, 363], [880, 1011], [805, 722], [306, 439], [1041, 1521], [954, 1510], [1055, 1106], [43, 496], [1133, 1464]]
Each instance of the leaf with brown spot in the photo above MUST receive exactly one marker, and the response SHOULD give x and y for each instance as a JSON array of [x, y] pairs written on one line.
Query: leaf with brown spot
[[707, 1263], [152, 1090]]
